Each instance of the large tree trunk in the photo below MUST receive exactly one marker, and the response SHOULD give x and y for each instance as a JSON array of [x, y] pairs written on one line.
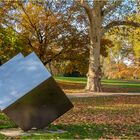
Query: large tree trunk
[[94, 72]]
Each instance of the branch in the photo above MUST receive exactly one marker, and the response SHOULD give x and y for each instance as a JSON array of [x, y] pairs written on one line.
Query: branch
[[39, 36], [54, 57], [118, 23], [112, 7], [84, 4]]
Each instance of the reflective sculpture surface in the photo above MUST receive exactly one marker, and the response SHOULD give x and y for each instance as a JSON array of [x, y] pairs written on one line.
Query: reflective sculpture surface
[[4, 77], [29, 94]]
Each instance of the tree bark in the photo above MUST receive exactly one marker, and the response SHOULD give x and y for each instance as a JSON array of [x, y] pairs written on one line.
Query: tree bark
[[94, 72]]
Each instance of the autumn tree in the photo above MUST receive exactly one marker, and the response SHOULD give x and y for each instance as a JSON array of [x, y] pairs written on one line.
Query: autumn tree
[[4, 7], [102, 16], [45, 29], [123, 60], [10, 44], [36, 25]]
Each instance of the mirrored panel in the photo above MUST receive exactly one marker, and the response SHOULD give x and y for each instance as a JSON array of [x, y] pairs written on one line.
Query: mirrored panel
[[19, 77], [11, 63]]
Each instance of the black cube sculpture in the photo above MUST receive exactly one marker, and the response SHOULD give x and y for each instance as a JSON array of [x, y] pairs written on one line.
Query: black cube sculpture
[[34, 99]]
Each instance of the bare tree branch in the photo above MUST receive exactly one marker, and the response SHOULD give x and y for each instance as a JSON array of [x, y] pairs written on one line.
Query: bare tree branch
[[112, 7], [118, 23], [84, 4]]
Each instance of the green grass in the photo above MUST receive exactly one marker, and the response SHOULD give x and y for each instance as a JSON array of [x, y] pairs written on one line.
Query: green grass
[[122, 83], [5, 122], [104, 81], [85, 131], [73, 131], [72, 79], [93, 117], [126, 85]]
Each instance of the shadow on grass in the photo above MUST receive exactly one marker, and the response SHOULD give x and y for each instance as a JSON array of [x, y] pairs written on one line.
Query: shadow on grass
[[85, 131], [79, 131]]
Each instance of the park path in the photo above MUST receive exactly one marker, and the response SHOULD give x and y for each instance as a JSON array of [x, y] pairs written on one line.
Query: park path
[[90, 94]]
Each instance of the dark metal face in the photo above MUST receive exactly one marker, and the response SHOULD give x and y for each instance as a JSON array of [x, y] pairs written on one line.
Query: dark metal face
[[40, 106]]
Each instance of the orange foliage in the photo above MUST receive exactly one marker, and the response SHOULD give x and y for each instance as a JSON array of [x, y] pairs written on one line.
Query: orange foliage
[[122, 71]]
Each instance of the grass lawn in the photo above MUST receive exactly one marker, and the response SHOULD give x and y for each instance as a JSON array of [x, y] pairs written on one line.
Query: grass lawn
[[74, 84], [94, 117]]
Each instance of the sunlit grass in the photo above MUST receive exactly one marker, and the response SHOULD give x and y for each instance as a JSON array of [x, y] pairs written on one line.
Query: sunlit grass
[[77, 84], [72, 79], [108, 82]]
